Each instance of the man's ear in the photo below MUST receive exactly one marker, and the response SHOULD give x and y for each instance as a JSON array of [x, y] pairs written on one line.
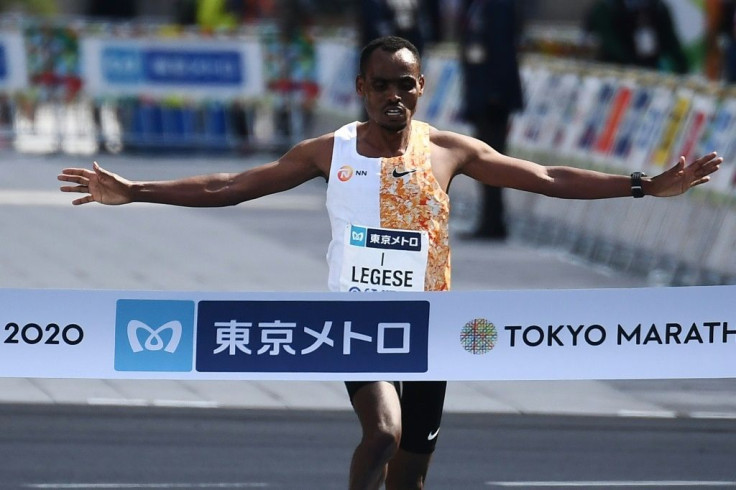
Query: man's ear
[[359, 83], [421, 85]]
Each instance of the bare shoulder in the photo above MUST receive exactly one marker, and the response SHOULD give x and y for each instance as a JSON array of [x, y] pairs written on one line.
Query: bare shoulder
[[314, 152], [454, 149], [446, 139], [319, 147], [320, 142]]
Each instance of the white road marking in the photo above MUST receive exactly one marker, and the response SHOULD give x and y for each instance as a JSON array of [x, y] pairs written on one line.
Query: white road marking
[[609, 484], [713, 415], [11, 197], [72, 486], [185, 403], [139, 402], [35, 198], [659, 414], [126, 402]]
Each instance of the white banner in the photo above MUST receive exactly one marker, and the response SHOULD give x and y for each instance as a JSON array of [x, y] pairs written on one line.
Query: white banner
[[486, 335]]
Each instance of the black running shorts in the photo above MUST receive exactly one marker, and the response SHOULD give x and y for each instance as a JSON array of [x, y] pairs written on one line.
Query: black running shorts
[[421, 412]]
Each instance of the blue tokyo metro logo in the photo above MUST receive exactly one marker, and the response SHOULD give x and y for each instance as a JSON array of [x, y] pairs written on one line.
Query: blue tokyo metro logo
[[312, 336], [154, 335], [385, 239]]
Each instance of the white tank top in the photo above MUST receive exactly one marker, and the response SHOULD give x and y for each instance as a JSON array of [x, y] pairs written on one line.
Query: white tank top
[[389, 218]]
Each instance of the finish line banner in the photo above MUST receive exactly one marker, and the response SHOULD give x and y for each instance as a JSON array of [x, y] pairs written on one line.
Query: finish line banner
[[485, 335]]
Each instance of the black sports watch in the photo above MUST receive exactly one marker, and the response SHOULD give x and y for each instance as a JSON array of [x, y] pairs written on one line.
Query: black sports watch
[[636, 189]]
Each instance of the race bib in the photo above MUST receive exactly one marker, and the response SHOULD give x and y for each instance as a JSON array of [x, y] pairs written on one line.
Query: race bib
[[381, 259]]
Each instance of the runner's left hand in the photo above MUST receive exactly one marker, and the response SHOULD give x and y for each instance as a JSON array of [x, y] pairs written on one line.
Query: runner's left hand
[[681, 177]]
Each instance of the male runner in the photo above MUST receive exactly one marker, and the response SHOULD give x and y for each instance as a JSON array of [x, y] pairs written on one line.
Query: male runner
[[393, 173]]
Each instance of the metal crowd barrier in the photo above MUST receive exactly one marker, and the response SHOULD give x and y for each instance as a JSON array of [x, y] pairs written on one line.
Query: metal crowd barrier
[[143, 124], [688, 240]]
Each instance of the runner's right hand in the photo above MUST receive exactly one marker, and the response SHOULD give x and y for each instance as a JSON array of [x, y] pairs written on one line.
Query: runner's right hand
[[99, 184]]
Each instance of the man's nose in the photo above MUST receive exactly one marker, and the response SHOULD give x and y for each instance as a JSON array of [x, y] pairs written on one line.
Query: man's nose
[[393, 94]]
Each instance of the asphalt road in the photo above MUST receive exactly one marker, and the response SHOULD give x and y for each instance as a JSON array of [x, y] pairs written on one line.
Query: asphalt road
[[57, 447]]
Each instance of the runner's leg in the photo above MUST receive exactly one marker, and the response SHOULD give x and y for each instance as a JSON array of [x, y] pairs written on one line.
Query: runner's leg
[[407, 470], [379, 412], [422, 403]]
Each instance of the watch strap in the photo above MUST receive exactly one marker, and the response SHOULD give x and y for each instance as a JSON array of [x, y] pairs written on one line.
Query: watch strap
[[636, 184]]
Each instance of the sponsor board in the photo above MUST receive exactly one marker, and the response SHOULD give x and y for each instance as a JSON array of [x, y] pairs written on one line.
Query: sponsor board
[[162, 67]]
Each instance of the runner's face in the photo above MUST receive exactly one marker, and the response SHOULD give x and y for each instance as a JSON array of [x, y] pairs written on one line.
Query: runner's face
[[391, 88]]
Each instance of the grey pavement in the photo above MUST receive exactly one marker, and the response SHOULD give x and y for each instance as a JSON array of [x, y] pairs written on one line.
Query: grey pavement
[[275, 244]]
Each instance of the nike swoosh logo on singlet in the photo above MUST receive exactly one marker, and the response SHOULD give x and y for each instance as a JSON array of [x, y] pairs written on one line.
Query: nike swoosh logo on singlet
[[433, 435], [398, 174]]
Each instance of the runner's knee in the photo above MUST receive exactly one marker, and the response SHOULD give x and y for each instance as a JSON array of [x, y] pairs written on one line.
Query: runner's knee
[[382, 442]]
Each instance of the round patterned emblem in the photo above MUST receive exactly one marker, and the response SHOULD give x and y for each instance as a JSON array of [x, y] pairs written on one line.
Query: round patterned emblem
[[344, 173], [478, 336]]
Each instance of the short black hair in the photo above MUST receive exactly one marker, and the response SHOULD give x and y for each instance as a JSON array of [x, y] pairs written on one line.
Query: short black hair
[[389, 44]]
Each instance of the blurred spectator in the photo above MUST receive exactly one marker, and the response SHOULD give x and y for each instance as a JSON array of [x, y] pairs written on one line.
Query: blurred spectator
[[52, 57], [119, 9], [636, 32], [418, 21], [213, 15], [33, 7], [256, 10], [217, 14], [185, 12], [290, 67], [720, 40], [489, 38]]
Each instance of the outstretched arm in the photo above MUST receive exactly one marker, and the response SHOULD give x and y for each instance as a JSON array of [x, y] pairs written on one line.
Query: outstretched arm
[[303, 162], [485, 164]]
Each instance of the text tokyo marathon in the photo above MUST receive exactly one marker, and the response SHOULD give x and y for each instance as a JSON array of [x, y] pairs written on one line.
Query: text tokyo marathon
[[594, 335]]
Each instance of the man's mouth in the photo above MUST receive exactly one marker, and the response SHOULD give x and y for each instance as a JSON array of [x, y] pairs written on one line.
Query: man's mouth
[[394, 112]]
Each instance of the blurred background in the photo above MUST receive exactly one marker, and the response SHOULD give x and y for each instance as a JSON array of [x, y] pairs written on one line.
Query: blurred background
[[618, 85]]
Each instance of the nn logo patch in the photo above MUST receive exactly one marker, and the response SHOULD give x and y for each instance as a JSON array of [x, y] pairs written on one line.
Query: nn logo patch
[[154, 335]]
